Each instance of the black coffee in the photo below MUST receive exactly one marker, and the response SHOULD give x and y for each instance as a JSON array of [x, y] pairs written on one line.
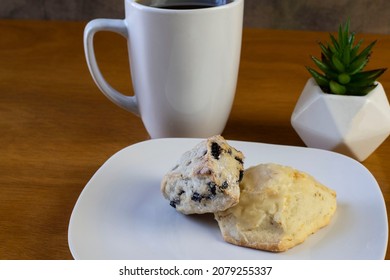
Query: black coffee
[[185, 7], [184, 4]]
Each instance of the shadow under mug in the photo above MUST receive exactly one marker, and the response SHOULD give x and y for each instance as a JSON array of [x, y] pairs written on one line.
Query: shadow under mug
[[184, 63]]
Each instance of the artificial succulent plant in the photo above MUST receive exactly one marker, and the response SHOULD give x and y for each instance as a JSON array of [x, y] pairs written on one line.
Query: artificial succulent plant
[[342, 65]]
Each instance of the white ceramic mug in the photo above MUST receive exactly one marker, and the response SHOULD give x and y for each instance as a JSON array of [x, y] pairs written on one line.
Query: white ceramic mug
[[184, 64]]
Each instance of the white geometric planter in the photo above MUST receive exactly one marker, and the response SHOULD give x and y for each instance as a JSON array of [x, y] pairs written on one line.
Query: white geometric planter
[[351, 125]]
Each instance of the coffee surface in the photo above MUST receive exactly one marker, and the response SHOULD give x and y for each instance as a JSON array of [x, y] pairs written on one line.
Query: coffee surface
[[185, 7]]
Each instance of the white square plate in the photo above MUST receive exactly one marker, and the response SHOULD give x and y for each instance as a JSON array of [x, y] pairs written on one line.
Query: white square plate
[[121, 213]]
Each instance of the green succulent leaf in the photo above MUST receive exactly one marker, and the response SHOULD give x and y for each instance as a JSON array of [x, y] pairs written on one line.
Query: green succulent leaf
[[344, 78], [346, 28], [357, 65], [366, 52], [342, 64], [351, 39], [347, 56], [335, 44], [355, 49], [324, 67], [343, 35], [320, 79], [325, 51], [332, 73], [368, 75], [341, 40], [336, 88], [360, 91], [338, 64]]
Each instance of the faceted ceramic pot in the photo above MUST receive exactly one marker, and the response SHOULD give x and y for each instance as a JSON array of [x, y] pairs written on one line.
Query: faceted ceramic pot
[[351, 125]]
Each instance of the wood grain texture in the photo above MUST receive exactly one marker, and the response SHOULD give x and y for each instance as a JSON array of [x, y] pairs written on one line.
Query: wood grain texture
[[57, 129]]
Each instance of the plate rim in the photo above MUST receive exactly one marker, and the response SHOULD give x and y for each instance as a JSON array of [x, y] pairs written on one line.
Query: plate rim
[[72, 248]]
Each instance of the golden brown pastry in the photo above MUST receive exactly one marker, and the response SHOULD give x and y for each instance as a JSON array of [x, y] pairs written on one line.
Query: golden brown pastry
[[279, 208]]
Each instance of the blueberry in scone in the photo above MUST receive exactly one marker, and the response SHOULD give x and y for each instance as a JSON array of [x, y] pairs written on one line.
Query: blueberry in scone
[[206, 178]]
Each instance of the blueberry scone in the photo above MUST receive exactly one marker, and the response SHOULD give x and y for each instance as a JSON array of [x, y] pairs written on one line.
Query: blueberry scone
[[279, 208], [206, 179]]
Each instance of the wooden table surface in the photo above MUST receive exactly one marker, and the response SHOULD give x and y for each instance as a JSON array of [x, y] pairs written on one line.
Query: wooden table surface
[[57, 129]]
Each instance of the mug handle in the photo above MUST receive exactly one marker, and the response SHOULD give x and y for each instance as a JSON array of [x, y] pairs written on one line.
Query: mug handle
[[119, 26]]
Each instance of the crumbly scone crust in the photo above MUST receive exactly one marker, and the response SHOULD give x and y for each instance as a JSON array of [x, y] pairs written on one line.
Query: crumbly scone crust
[[206, 178], [278, 209]]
